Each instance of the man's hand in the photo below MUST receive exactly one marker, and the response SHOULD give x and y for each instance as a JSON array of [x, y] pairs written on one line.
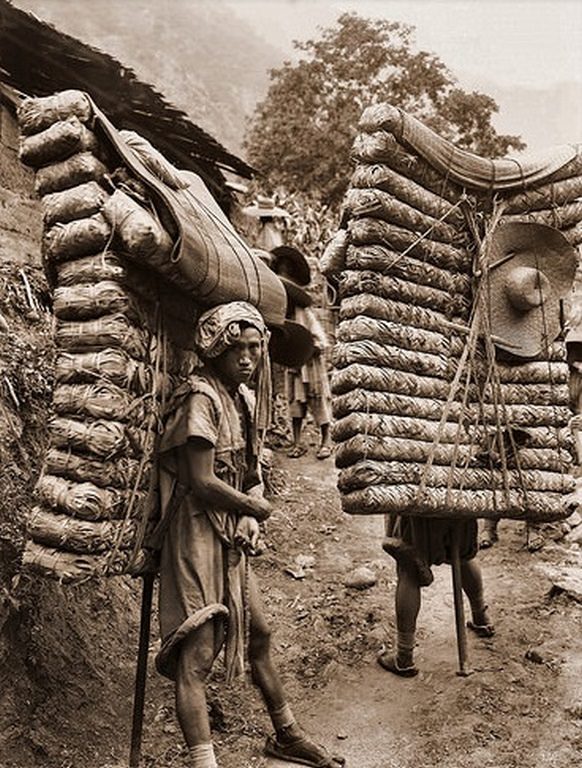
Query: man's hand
[[247, 534]]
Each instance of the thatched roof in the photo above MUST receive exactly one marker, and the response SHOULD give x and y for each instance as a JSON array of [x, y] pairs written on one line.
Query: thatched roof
[[37, 60]]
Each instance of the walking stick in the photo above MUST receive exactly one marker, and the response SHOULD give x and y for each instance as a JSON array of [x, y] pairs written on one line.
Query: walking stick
[[141, 669], [458, 599]]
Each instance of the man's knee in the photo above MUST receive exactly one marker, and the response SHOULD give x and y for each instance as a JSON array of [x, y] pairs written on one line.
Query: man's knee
[[195, 660]]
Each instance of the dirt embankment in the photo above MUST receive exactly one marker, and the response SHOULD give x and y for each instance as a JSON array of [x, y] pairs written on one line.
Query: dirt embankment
[[522, 706]]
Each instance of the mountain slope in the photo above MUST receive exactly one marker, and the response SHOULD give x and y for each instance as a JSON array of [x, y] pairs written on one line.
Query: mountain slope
[[212, 67]]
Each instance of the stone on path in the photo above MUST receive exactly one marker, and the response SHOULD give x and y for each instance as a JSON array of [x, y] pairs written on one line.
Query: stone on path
[[360, 578], [564, 578]]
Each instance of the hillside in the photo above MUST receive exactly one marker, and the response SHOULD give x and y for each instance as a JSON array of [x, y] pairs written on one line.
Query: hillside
[[543, 116], [192, 52]]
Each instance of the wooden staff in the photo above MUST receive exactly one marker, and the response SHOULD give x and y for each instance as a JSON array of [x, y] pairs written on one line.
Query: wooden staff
[[458, 599], [141, 670]]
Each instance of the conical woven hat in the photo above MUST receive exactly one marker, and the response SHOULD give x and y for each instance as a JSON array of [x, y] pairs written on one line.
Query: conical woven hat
[[531, 267], [291, 344], [265, 208], [292, 264]]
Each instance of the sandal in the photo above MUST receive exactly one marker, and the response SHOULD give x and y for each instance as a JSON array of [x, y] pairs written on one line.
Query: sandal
[[296, 451], [302, 751], [389, 662], [324, 452], [481, 630]]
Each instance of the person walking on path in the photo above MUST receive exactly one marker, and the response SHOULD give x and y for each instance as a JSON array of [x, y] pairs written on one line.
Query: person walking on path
[[416, 543]]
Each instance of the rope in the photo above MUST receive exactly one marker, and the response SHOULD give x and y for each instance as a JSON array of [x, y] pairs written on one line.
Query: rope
[[468, 367], [427, 232], [151, 436]]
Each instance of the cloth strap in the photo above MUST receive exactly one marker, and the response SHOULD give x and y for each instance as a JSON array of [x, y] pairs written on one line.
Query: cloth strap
[[282, 717], [202, 756]]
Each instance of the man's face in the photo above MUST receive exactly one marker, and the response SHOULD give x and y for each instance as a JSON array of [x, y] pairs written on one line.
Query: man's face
[[237, 364]]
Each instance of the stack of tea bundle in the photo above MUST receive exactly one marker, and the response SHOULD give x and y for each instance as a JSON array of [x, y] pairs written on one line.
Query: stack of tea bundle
[[450, 387], [119, 339]]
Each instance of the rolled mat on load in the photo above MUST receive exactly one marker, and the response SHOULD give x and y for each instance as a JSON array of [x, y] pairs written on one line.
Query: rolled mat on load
[[431, 418]]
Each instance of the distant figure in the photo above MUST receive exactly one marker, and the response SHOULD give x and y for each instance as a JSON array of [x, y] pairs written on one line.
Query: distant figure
[[307, 387], [537, 534], [272, 221]]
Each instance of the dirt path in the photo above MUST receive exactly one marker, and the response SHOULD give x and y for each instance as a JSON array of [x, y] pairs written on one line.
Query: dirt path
[[511, 712]]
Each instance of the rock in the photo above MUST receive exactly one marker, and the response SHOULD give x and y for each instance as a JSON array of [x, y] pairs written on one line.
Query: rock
[[360, 578], [575, 535], [574, 520], [377, 634], [301, 567], [305, 561], [565, 579], [296, 572]]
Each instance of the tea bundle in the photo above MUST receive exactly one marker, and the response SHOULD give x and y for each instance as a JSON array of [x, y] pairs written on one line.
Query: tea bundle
[[432, 418], [116, 354]]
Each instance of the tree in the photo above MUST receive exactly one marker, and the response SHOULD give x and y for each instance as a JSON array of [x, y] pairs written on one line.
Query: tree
[[300, 135]]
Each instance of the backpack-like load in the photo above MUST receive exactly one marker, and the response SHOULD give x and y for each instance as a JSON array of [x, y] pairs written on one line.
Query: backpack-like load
[[133, 248], [450, 387]]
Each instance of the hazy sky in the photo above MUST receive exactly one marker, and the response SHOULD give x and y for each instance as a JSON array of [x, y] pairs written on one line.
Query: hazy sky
[[525, 42], [526, 54]]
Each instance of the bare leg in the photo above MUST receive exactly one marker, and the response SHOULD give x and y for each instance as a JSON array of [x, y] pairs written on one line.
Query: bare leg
[[407, 600], [324, 450], [263, 672], [291, 743], [489, 534], [472, 582], [194, 664], [295, 451], [407, 609], [297, 425]]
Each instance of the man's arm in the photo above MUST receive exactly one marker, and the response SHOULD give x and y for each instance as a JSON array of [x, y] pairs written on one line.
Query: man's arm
[[214, 491]]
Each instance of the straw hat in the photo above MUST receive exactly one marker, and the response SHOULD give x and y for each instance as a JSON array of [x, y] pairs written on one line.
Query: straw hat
[[293, 262], [265, 208], [291, 344], [532, 266], [294, 272]]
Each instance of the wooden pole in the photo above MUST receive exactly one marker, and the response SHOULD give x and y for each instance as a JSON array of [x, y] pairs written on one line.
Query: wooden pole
[[458, 599], [141, 670]]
